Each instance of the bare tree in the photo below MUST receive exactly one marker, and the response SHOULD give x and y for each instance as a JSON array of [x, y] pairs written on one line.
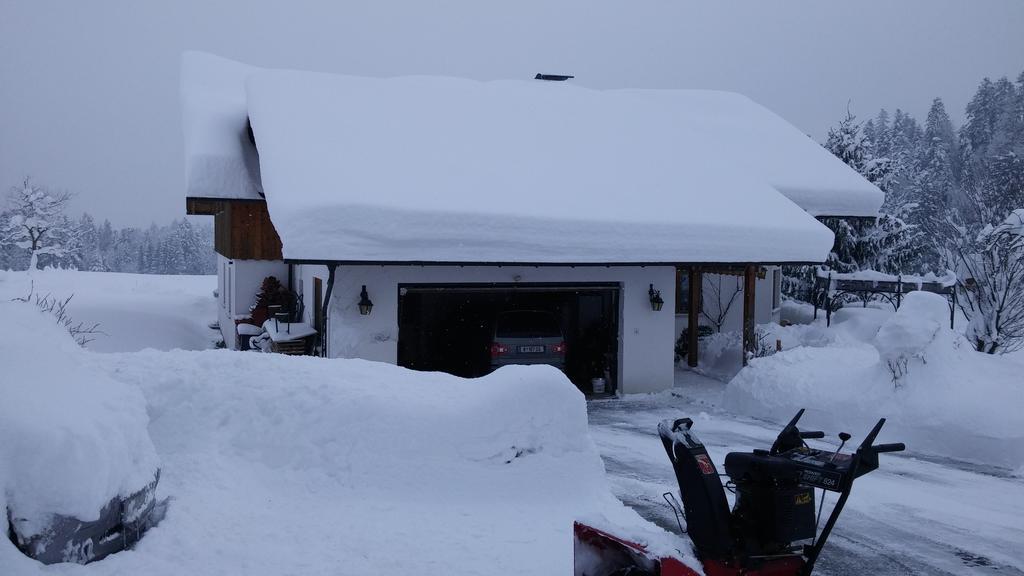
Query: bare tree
[[722, 297], [35, 221], [991, 283]]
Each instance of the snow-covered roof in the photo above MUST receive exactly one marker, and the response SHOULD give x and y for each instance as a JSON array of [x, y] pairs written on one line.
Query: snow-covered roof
[[431, 169], [220, 160]]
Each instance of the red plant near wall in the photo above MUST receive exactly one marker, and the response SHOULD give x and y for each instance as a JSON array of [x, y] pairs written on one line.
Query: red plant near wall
[[271, 293]]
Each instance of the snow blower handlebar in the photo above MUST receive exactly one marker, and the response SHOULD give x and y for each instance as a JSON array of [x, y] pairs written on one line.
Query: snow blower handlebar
[[792, 437], [894, 447], [864, 460], [866, 457]]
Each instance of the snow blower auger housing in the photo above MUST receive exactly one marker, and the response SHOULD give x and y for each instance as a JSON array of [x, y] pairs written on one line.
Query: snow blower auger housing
[[772, 530]]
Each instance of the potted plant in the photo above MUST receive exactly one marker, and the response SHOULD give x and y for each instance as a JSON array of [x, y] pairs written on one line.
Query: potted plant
[[599, 371]]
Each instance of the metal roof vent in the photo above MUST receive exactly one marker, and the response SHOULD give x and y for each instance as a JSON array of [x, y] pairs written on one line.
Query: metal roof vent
[[552, 77]]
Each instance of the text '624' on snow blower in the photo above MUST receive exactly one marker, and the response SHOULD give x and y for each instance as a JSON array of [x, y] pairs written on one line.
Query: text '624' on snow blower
[[773, 528]]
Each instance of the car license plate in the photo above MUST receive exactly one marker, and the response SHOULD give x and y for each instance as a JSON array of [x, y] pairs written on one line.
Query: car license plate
[[531, 349]]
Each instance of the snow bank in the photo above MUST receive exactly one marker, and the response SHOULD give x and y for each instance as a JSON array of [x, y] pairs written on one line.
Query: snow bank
[[367, 424], [134, 311], [73, 438], [940, 396], [721, 353], [284, 465]]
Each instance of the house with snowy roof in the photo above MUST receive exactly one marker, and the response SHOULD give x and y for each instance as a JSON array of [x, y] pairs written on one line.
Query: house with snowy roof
[[450, 203]]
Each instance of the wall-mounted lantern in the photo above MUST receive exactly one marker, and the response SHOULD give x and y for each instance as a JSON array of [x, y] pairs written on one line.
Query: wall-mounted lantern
[[365, 305], [656, 301]]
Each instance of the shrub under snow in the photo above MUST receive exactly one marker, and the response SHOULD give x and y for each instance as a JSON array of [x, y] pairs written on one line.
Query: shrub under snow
[[905, 337]]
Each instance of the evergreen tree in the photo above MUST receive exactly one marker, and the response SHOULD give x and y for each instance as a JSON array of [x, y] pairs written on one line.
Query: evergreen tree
[[89, 257], [871, 137], [934, 186], [127, 252], [881, 138], [886, 243], [847, 143], [992, 153], [903, 149], [976, 133], [105, 239]]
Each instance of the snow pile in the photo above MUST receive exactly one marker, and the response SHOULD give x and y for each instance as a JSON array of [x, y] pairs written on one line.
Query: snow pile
[[299, 465], [720, 355], [73, 438], [940, 396], [909, 333], [134, 311]]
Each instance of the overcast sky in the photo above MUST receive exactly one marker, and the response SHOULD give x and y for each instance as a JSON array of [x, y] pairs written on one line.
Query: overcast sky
[[89, 90]]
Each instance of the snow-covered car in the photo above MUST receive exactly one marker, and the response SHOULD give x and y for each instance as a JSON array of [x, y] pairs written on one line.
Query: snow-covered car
[[121, 524], [78, 470]]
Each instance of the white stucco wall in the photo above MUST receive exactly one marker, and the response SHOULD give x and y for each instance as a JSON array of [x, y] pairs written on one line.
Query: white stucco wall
[[646, 340], [237, 282]]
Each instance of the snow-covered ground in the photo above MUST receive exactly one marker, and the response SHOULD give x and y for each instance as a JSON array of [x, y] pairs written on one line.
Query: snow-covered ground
[[916, 515], [134, 311], [279, 465], [297, 465]]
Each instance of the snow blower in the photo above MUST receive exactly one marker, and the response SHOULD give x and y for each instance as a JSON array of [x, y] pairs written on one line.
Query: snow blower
[[773, 528]]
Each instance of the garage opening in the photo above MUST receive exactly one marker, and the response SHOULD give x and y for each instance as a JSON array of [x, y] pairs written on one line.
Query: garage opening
[[470, 329]]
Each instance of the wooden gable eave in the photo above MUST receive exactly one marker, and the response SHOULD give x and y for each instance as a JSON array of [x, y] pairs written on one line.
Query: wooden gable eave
[[203, 206], [242, 229]]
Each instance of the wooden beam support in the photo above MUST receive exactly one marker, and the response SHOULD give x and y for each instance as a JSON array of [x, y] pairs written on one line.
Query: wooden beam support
[[693, 316], [749, 285], [325, 331], [203, 206]]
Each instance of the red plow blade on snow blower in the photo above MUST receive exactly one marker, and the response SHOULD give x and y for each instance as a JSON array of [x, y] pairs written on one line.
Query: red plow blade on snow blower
[[600, 553], [771, 530]]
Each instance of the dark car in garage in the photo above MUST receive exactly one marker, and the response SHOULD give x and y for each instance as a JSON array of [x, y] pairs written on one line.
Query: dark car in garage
[[527, 337]]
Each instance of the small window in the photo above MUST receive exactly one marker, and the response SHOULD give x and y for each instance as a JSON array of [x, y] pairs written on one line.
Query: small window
[[776, 288], [682, 291], [227, 277]]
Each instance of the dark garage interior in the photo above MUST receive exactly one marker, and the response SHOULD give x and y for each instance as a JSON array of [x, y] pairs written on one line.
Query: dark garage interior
[[450, 327]]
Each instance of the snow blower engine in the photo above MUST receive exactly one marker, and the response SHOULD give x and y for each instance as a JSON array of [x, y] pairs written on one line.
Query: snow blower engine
[[772, 529]]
